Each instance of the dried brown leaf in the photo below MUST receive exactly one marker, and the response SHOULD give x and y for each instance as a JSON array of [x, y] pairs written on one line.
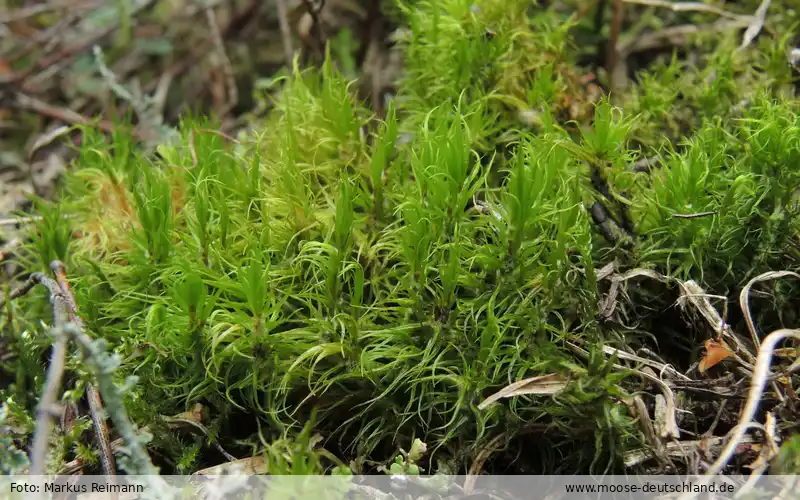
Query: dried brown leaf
[[716, 352]]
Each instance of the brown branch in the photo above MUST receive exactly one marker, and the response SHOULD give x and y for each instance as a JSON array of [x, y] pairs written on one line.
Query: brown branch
[[685, 7], [34, 10], [96, 413]]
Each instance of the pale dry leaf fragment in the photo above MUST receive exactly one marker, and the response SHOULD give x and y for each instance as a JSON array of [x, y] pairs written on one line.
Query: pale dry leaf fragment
[[48, 138], [545, 385]]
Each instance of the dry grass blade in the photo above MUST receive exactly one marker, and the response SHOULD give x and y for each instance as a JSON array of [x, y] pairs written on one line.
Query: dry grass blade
[[744, 298], [542, 385], [668, 423], [286, 32], [48, 138], [696, 215], [767, 453], [647, 273]]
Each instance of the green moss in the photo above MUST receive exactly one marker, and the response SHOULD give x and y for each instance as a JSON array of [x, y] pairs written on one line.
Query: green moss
[[323, 268]]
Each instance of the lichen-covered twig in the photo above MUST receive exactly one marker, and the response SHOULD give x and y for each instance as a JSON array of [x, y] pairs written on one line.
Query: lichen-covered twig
[[103, 366], [45, 414], [93, 397], [64, 311]]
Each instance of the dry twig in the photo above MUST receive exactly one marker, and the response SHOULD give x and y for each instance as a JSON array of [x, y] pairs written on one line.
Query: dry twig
[[46, 411], [612, 51], [96, 410], [755, 26]]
